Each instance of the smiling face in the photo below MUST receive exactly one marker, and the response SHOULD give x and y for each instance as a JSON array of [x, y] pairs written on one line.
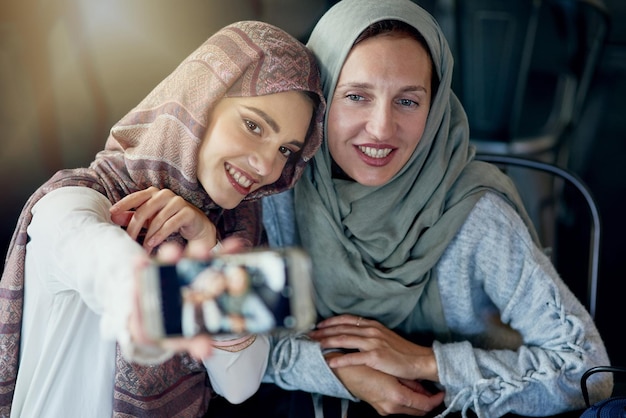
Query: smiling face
[[379, 107], [248, 142]]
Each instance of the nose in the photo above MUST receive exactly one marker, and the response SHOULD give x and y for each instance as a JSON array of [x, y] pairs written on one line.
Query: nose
[[262, 160], [381, 124]]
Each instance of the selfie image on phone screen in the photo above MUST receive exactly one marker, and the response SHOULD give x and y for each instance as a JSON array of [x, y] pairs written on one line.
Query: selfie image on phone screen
[[252, 292]]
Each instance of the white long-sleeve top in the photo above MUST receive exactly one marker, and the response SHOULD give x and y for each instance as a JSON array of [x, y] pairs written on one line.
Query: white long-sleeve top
[[77, 297]]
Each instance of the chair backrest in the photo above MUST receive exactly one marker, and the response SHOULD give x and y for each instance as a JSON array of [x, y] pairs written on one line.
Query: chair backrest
[[524, 67], [585, 26], [494, 44], [571, 179]]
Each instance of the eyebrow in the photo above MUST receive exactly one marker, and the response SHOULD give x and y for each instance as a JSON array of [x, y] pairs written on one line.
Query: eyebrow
[[267, 118], [369, 86], [272, 123]]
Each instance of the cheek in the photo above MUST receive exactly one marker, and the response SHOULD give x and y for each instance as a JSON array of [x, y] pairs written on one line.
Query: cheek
[[202, 157], [277, 171], [341, 128], [416, 130], [218, 147], [334, 148]]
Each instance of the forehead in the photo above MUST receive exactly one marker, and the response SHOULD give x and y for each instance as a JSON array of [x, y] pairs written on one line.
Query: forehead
[[389, 57], [274, 105]]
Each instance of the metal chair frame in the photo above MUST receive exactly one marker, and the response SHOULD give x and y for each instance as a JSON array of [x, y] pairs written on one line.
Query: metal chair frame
[[594, 370]]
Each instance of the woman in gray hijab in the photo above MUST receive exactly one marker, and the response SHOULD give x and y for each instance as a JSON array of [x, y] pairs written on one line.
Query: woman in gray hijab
[[426, 267]]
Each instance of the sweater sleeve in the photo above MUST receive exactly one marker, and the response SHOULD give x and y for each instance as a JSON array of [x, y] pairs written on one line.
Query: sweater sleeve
[[297, 363], [521, 339]]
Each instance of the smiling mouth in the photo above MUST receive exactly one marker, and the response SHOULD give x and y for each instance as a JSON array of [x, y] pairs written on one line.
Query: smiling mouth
[[239, 178], [375, 152]]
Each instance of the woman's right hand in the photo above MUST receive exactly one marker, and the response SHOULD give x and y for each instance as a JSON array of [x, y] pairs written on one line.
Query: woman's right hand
[[161, 213], [387, 394], [375, 346], [199, 346]]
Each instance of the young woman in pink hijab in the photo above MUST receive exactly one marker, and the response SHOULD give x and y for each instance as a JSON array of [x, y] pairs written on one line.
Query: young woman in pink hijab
[[237, 120]]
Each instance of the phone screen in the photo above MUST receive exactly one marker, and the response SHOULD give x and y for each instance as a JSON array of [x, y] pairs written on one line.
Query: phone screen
[[245, 293], [225, 297], [171, 300]]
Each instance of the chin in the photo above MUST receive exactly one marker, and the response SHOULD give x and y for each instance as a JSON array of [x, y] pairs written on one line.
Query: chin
[[232, 205], [372, 181], [370, 176], [228, 203]]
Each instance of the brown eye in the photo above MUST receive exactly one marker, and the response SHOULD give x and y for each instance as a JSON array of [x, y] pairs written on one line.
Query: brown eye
[[286, 152], [252, 127]]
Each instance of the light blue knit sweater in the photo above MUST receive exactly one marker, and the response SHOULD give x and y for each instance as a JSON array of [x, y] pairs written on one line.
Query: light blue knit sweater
[[490, 266]]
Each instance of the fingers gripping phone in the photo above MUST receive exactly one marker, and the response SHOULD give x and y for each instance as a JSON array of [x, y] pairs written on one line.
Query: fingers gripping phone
[[251, 292]]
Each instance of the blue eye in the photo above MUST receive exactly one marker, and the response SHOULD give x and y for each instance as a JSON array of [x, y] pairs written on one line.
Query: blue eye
[[408, 102], [354, 97]]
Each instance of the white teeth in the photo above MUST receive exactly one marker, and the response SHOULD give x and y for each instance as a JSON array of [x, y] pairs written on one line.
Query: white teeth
[[375, 152], [239, 178]]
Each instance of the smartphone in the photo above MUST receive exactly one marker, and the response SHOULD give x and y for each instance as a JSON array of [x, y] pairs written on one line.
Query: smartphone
[[251, 292]]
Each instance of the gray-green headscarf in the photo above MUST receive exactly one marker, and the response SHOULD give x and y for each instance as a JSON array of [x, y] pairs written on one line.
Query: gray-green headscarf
[[374, 248]]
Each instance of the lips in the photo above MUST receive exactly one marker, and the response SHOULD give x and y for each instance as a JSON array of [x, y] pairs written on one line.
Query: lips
[[238, 179], [375, 152], [375, 155]]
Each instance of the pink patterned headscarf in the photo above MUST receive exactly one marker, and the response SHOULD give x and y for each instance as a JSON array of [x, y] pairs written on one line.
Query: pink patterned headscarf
[[156, 144]]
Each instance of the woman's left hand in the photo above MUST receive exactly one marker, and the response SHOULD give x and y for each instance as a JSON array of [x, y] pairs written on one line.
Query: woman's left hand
[[387, 394], [378, 347], [161, 213]]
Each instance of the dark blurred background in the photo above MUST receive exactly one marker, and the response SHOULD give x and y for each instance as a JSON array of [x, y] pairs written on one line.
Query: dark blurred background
[[69, 69]]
